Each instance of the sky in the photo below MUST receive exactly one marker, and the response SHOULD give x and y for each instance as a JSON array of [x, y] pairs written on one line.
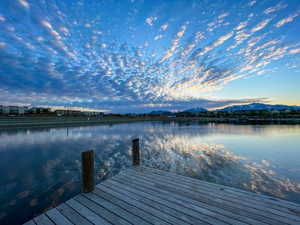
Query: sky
[[142, 55]]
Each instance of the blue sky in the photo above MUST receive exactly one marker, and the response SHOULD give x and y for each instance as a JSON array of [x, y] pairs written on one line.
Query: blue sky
[[139, 56]]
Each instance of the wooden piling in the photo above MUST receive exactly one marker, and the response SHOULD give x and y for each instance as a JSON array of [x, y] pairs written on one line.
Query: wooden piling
[[87, 172], [135, 152]]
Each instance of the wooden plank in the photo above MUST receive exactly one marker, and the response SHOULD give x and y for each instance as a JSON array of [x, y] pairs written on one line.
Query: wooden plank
[[260, 197], [285, 214], [106, 214], [243, 200], [116, 209], [147, 196], [231, 195], [86, 212], [135, 200], [178, 216], [217, 203], [235, 208], [201, 208], [269, 206], [72, 215], [229, 217], [182, 213], [127, 206], [57, 217], [244, 211], [30, 222], [273, 214], [43, 220]]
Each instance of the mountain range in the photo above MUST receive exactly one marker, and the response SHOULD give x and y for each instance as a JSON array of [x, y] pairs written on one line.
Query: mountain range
[[252, 106], [259, 106], [196, 110], [160, 112]]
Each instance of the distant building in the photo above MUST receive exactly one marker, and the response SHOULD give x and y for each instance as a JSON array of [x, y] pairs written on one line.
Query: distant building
[[5, 110], [21, 110], [39, 110], [66, 112], [172, 116], [13, 110], [91, 113], [61, 112]]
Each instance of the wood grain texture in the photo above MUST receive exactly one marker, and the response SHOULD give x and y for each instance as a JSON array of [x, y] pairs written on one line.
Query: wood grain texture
[[148, 196], [57, 217], [31, 222], [136, 152], [241, 204], [87, 171], [43, 220]]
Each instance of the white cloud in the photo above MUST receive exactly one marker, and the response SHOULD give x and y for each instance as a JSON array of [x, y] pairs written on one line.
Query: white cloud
[[64, 30], [51, 29], [164, 27], [157, 37], [122, 73], [199, 35], [286, 20], [223, 15], [253, 41], [222, 39], [150, 20], [252, 3], [2, 44], [215, 44], [295, 51], [218, 22], [188, 49], [261, 25], [275, 8], [24, 3], [175, 43], [241, 25], [2, 18]]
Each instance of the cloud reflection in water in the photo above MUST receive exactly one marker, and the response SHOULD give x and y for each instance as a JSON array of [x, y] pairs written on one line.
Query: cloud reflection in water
[[214, 163], [44, 164]]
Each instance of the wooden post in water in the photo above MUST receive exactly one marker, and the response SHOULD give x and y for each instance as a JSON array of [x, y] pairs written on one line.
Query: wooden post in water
[[135, 152], [87, 171]]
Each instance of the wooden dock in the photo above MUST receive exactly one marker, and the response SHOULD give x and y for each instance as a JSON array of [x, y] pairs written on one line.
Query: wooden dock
[[145, 196]]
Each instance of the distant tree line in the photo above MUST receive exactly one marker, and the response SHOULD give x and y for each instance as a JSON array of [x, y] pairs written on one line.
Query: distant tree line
[[243, 114], [217, 114]]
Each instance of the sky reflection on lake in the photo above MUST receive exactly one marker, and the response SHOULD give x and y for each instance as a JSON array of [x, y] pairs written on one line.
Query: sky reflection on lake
[[40, 167]]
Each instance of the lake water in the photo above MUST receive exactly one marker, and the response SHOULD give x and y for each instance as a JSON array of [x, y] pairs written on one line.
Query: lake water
[[40, 168]]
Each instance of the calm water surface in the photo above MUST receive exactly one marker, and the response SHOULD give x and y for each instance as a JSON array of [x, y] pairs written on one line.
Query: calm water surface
[[40, 168]]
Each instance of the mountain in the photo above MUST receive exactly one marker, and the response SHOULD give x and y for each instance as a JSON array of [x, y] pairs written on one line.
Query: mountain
[[161, 113], [259, 106], [195, 110]]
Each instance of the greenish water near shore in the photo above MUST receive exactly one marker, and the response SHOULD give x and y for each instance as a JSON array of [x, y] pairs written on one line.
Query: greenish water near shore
[[40, 167]]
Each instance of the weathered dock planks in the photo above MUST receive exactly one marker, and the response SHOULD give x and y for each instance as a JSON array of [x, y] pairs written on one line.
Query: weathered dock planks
[[147, 196]]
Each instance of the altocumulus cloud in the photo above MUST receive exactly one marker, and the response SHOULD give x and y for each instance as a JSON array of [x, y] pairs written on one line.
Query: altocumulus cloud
[[134, 55]]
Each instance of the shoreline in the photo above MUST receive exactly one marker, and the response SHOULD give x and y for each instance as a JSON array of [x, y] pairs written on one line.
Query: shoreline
[[21, 122]]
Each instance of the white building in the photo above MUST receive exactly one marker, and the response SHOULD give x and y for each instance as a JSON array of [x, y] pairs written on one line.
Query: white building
[[13, 110], [6, 110]]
